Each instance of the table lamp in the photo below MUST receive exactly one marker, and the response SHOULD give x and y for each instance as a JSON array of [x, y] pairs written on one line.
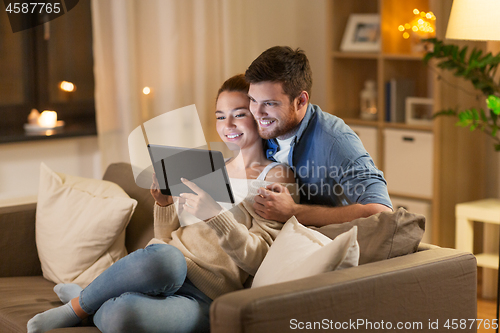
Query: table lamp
[[474, 20]]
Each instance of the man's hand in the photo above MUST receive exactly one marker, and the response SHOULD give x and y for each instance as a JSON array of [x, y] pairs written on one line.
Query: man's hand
[[160, 198], [200, 204], [274, 202]]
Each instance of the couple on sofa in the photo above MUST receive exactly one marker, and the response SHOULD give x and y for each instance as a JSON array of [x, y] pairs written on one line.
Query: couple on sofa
[[169, 285]]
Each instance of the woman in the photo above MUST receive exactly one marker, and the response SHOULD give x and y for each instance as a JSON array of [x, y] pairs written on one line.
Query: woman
[[169, 285]]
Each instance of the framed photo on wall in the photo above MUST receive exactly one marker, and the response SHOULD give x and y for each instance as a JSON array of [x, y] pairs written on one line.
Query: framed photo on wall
[[362, 33]]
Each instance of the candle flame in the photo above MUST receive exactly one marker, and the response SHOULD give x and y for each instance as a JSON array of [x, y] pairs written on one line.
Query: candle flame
[[47, 119], [67, 86]]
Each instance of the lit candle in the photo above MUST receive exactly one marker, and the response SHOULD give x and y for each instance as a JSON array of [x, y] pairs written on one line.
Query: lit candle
[[47, 119], [33, 117], [146, 103], [67, 86]]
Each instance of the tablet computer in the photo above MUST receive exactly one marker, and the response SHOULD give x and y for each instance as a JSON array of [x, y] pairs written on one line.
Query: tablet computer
[[205, 168]]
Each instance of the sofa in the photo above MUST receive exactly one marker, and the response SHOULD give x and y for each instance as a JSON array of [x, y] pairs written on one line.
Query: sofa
[[419, 289]]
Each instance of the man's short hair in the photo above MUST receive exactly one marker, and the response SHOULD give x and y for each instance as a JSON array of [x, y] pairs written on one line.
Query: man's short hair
[[285, 65]]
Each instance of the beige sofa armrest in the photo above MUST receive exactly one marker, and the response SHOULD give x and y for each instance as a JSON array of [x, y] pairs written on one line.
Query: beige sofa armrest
[[437, 284], [18, 254]]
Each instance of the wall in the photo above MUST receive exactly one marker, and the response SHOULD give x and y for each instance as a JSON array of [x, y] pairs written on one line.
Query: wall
[[295, 23], [20, 164]]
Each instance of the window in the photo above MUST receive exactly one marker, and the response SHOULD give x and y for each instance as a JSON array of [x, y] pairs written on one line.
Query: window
[[34, 63]]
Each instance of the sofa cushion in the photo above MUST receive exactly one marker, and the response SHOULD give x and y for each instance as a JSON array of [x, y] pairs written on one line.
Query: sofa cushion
[[21, 298], [80, 226], [299, 252], [384, 235]]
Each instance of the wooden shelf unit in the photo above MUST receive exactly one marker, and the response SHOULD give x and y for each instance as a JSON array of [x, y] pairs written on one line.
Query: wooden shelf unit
[[458, 154]]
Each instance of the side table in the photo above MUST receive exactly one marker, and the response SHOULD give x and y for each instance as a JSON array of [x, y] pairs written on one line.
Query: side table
[[488, 212]]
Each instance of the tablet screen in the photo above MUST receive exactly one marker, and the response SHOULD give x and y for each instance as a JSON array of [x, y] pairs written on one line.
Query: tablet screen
[[205, 168]]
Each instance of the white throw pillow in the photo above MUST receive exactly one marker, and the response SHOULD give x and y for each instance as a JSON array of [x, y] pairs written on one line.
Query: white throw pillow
[[80, 226], [300, 252]]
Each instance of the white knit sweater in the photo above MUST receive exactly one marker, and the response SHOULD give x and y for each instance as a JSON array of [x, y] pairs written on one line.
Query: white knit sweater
[[222, 252]]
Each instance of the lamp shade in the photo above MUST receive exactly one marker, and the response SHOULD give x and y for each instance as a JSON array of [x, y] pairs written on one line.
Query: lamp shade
[[474, 20]]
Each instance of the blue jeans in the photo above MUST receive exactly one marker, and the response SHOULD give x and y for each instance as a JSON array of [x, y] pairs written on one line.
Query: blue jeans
[[147, 291]]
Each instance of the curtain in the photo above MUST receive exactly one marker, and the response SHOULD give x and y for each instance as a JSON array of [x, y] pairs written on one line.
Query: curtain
[[183, 50]]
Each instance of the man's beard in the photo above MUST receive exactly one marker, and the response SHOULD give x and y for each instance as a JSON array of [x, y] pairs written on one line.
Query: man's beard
[[282, 127]]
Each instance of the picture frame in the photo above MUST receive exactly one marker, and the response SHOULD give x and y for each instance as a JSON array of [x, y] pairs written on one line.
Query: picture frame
[[419, 110], [362, 33]]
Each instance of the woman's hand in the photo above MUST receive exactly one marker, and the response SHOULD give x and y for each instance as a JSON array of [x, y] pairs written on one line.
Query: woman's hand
[[160, 198], [200, 204]]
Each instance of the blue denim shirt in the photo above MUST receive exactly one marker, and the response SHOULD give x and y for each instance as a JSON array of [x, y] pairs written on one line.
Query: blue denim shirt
[[330, 163]]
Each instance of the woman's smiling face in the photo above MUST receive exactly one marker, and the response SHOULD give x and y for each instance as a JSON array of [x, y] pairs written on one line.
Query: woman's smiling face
[[235, 123]]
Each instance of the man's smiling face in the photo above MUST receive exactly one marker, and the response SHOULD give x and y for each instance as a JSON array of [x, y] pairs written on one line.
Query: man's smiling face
[[272, 109]]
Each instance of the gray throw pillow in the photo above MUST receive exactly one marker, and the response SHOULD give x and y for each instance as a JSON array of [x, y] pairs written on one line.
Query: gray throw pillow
[[384, 235]]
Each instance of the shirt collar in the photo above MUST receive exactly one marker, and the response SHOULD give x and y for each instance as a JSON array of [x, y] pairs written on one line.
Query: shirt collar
[[305, 121]]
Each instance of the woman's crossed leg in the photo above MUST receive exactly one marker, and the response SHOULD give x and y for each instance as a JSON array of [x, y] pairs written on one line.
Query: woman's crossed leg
[[152, 276]]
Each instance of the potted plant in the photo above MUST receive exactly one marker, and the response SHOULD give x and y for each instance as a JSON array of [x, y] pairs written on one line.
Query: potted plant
[[480, 70]]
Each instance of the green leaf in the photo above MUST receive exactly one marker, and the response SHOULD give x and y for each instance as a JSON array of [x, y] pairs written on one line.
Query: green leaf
[[480, 85], [497, 147], [486, 60], [483, 116], [496, 60], [437, 48], [493, 103], [447, 50], [448, 64], [494, 130], [454, 52], [492, 66], [472, 55], [473, 59], [493, 116], [462, 54], [449, 112], [475, 114], [463, 115], [465, 118], [428, 57]]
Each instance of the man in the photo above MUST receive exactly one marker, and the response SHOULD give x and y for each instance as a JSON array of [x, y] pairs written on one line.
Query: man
[[338, 180]]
